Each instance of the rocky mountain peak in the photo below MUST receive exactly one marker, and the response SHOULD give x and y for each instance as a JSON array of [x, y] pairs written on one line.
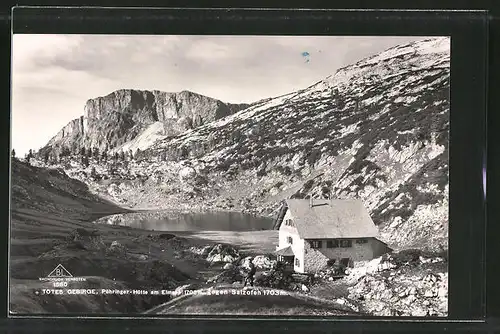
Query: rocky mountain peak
[[117, 118]]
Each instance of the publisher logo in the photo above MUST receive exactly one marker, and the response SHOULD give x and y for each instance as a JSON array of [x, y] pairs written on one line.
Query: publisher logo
[[60, 277], [59, 271]]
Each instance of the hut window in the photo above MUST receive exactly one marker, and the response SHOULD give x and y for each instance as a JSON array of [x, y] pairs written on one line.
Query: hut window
[[332, 244], [297, 262], [361, 241], [289, 240], [316, 244], [345, 243], [288, 222]]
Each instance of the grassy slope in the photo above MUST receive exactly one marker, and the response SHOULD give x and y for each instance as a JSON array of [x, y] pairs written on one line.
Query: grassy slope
[[46, 207]]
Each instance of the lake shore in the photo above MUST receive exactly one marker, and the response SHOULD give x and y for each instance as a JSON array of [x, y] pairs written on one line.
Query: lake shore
[[171, 220]]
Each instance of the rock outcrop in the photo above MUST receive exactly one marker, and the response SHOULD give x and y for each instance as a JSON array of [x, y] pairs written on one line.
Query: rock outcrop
[[117, 118], [223, 253]]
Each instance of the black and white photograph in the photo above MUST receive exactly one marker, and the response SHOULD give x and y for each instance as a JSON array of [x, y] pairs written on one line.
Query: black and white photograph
[[238, 175]]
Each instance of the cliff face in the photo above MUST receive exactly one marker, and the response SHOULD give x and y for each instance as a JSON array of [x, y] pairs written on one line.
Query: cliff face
[[237, 107], [117, 118], [71, 130]]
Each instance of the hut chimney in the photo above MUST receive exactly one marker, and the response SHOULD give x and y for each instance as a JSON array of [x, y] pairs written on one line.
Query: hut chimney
[[310, 201]]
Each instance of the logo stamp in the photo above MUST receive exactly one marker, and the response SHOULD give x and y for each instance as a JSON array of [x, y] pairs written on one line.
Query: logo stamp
[[59, 271], [60, 277]]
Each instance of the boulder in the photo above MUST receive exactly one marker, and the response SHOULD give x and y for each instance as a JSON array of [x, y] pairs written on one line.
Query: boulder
[[124, 187], [418, 312], [203, 251], [116, 247], [442, 292], [114, 189], [263, 262], [428, 294], [86, 239], [206, 250], [424, 260], [115, 244], [397, 221], [140, 257], [228, 266], [187, 173], [431, 278], [223, 253], [386, 262], [115, 220], [411, 299]]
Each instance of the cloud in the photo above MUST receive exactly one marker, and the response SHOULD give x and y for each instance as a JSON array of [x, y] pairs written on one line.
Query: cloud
[[29, 50]]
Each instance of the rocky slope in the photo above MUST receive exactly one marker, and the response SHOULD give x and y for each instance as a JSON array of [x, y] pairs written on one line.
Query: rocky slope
[[375, 130], [113, 120]]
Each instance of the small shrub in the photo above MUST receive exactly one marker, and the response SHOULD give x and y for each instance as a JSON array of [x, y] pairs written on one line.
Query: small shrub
[[278, 184], [313, 157], [261, 172], [407, 256], [308, 185], [442, 253], [275, 278], [298, 195]]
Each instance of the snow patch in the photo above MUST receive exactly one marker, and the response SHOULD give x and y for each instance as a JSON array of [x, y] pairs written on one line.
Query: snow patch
[[352, 128], [435, 151], [146, 139]]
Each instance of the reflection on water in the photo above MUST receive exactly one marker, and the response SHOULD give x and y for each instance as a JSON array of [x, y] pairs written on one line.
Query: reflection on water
[[190, 221]]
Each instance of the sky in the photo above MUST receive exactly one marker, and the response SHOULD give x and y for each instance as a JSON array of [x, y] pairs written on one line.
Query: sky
[[54, 75]]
